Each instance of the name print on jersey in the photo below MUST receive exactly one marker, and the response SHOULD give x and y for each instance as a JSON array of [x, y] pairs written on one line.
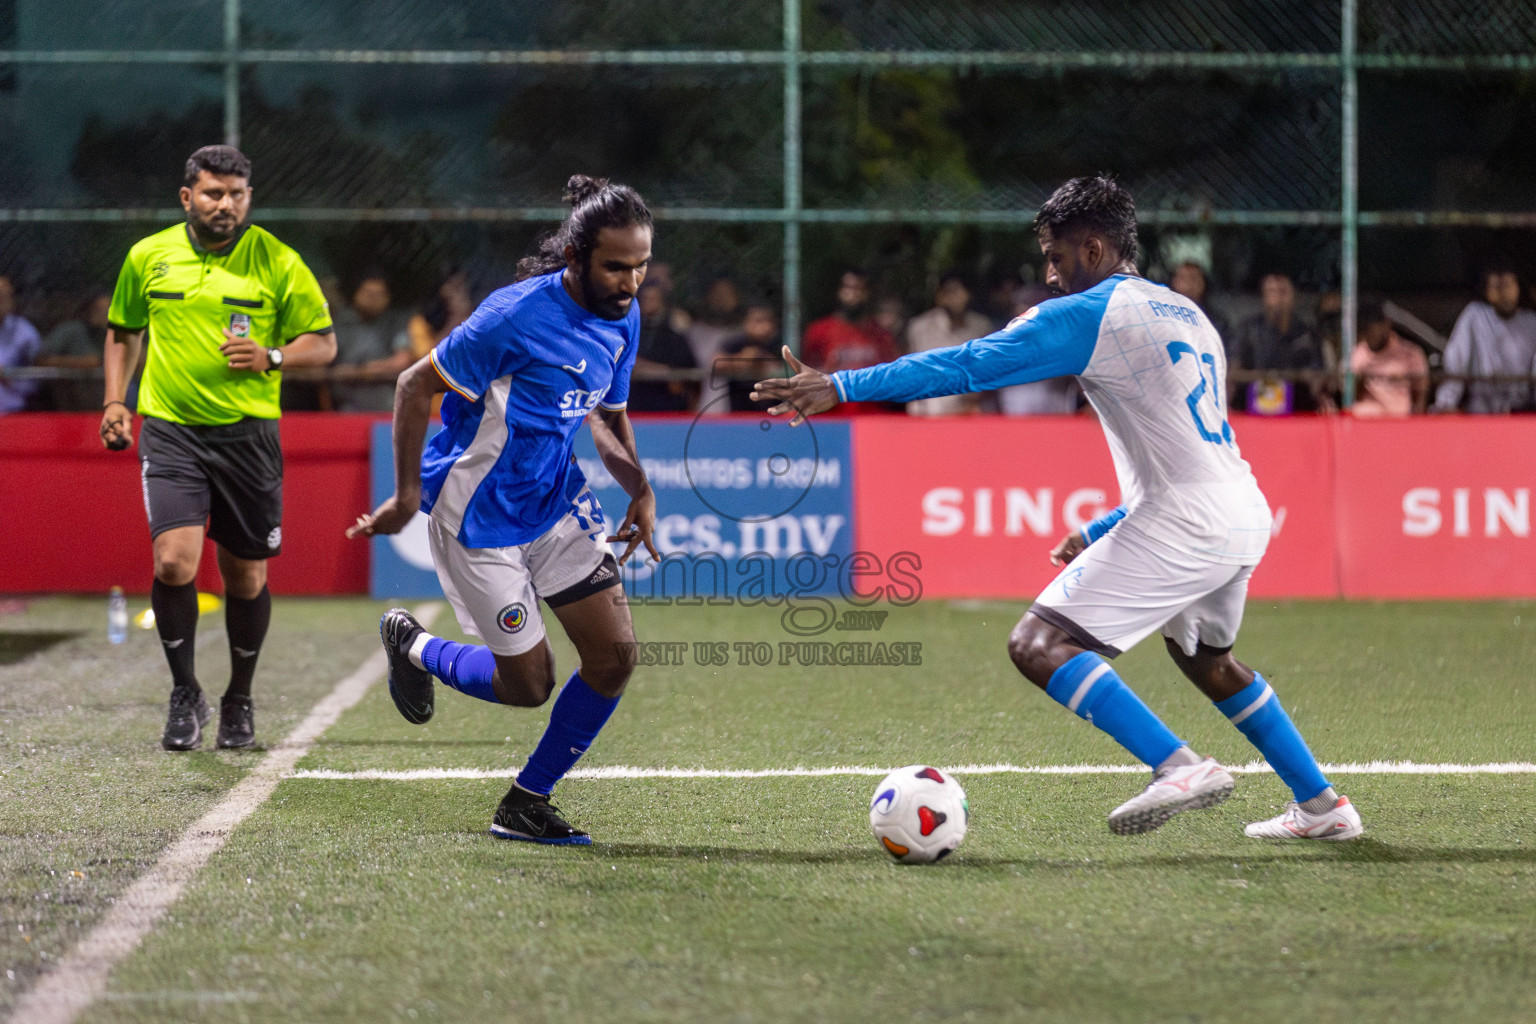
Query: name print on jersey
[[578, 403], [1175, 312]]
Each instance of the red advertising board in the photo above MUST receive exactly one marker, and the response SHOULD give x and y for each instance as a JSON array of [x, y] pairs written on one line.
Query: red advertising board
[[1292, 457], [980, 501], [1429, 507], [1436, 507], [983, 501], [77, 514]]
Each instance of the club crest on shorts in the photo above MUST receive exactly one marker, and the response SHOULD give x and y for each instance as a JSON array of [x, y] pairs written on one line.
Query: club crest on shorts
[[275, 538], [512, 618]]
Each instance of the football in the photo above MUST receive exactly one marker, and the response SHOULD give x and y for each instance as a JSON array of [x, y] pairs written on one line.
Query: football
[[919, 814]]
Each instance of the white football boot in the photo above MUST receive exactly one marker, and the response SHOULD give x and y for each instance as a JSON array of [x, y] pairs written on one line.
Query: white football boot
[[1341, 821], [1182, 788]]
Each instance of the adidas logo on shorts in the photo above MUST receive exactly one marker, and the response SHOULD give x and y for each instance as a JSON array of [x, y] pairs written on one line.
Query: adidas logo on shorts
[[603, 573]]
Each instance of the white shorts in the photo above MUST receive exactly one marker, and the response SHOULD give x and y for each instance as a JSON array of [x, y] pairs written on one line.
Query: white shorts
[[495, 592], [1122, 588]]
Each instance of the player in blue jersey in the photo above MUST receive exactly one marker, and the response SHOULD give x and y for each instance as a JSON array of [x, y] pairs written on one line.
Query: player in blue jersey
[[1175, 556], [511, 519]]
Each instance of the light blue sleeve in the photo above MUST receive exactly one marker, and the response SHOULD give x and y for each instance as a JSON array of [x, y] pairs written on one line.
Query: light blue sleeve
[[1096, 529], [482, 349], [1055, 339]]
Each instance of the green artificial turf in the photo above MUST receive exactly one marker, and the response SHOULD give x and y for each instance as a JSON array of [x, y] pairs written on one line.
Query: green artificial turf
[[766, 899]]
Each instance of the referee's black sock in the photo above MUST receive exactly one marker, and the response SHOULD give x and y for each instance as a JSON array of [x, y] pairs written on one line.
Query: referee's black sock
[[176, 619], [245, 621]]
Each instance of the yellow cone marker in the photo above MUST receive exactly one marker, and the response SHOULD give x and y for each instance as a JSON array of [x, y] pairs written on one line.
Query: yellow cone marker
[[205, 603]]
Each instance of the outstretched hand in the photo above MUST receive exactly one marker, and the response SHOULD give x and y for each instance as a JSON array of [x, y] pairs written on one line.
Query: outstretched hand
[[805, 394], [389, 518]]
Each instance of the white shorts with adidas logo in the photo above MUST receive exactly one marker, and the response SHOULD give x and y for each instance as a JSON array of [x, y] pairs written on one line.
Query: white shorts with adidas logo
[[495, 592]]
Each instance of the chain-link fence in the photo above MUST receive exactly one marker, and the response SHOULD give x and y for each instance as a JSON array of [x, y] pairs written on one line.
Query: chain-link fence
[[1380, 143]]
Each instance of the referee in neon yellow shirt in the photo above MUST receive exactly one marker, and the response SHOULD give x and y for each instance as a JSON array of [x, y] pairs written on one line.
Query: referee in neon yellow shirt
[[226, 307]]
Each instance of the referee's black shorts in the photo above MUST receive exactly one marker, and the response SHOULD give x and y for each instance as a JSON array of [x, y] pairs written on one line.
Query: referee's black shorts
[[230, 477]]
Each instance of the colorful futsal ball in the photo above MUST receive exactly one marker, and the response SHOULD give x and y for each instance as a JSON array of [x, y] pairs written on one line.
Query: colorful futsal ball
[[919, 814]]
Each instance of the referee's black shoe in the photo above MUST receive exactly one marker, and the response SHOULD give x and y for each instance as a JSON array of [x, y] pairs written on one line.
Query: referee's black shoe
[[410, 687], [237, 722], [533, 819], [185, 720]]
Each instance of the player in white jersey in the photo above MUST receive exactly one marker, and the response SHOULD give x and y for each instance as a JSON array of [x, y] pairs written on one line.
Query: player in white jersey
[[1176, 555]]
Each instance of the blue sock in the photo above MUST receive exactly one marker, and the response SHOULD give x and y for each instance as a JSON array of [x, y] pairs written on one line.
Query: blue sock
[[578, 716], [1087, 686], [465, 667], [1258, 715]]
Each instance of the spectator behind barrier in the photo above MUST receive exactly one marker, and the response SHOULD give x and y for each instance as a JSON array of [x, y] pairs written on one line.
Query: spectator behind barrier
[[751, 356], [1280, 340], [1392, 374], [1189, 280], [1055, 396], [848, 338], [718, 319], [998, 304], [1329, 328], [372, 338], [18, 347], [950, 322], [447, 309], [891, 315], [76, 344], [661, 348], [1491, 337], [660, 274]]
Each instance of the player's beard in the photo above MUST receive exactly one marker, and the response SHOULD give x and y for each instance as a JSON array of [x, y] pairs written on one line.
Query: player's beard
[[609, 307], [216, 233]]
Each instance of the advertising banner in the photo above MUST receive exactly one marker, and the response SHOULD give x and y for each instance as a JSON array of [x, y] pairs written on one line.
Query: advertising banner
[[1436, 507], [981, 502], [1428, 507], [1292, 457], [744, 506], [978, 502], [77, 510], [401, 565]]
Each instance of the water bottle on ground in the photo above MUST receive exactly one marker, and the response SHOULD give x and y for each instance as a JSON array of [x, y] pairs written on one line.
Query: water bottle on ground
[[117, 616]]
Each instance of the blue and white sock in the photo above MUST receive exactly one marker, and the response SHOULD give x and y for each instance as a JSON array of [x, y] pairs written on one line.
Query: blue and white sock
[[1258, 715], [579, 714], [1089, 687], [468, 668]]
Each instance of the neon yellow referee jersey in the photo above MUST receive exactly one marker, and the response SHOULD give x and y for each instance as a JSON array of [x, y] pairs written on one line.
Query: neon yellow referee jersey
[[187, 295]]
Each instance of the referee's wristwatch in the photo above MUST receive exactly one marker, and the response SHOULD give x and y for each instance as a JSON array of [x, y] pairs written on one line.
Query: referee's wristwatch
[[274, 359]]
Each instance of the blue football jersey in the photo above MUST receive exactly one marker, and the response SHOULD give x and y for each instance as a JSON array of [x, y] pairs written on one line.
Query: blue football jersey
[[526, 368]]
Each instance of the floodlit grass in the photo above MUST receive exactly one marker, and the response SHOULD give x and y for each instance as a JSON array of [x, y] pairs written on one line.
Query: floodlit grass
[[766, 899]]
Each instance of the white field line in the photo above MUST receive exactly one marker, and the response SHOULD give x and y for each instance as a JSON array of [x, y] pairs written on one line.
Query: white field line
[[626, 772], [81, 976]]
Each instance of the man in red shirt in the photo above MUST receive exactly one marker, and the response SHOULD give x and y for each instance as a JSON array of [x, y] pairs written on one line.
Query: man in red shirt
[[849, 338]]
